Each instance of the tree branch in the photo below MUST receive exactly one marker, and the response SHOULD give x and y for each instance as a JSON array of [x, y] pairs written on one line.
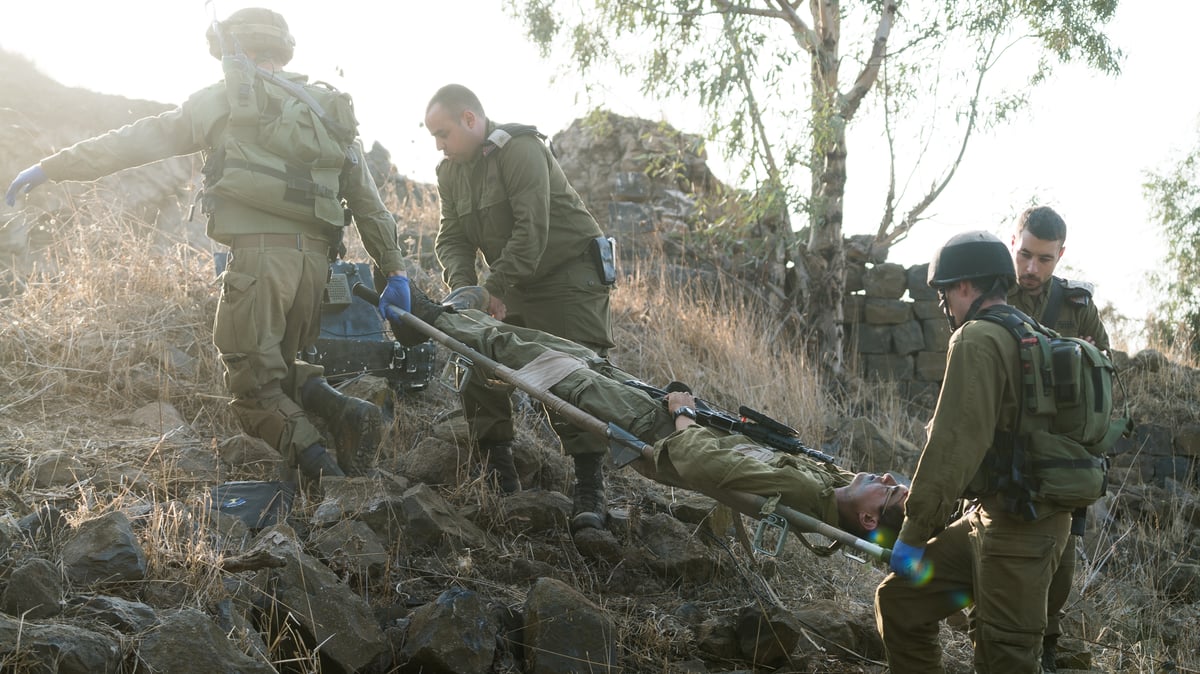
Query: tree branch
[[914, 214], [870, 72]]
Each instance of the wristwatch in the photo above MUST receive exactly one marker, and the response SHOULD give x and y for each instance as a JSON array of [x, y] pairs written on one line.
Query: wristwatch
[[685, 411]]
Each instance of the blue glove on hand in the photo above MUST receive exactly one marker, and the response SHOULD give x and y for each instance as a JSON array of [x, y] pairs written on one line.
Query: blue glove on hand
[[25, 181], [395, 294], [906, 560]]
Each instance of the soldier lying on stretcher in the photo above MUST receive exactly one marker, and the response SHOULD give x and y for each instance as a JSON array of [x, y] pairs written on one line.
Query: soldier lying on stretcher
[[683, 452]]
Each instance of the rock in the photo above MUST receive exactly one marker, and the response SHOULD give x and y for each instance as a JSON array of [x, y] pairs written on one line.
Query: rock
[[453, 634], [673, 551], [888, 281], [104, 549], [130, 617], [189, 642], [535, 510], [352, 546], [767, 636], [330, 617], [851, 626], [59, 649], [430, 521], [35, 590], [161, 419], [378, 504], [45, 521], [599, 544], [1180, 583], [565, 633], [434, 461], [57, 469]]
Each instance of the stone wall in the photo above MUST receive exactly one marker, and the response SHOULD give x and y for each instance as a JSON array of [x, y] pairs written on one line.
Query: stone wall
[[894, 324]]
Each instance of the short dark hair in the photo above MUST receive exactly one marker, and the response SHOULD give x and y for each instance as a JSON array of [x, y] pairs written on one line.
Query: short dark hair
[[456, 98], [992, 287], [1044, 223]]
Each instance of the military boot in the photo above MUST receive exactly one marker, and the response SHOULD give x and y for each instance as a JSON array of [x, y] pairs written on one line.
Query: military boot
[[356, 424], [314, 462], [500, 464], [1049, 653], [591, 507]]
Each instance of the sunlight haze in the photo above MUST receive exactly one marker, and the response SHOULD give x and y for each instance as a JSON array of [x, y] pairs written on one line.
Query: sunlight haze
[[1083, 148]]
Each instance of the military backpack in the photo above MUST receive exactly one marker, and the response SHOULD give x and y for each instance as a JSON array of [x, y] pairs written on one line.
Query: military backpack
[[1065, 423], [284, 146]]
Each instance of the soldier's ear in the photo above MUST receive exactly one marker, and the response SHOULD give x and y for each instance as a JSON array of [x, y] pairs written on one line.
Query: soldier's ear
[[867, 520]]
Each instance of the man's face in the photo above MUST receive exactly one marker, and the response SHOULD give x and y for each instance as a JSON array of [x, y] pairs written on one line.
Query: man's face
[[1035, 259], [872, 493], [458, 137]]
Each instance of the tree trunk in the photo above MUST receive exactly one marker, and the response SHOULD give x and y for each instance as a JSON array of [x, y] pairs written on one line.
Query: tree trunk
[[826, 253]]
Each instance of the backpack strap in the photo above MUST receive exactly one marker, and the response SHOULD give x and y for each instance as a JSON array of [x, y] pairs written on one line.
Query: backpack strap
[[1053, 302]]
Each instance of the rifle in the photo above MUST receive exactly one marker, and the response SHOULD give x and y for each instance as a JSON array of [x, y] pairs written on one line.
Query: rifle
[[748, 422]]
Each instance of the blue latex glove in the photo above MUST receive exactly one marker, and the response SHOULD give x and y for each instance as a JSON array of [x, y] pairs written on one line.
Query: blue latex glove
[[25, 181], [906, 560], [395, 294]]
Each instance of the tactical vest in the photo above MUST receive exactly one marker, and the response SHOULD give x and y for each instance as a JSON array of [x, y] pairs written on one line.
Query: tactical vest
[[1065, 424], [283, 148]]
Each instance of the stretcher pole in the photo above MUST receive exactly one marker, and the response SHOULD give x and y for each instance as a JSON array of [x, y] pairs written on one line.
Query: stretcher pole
[[625, 446]]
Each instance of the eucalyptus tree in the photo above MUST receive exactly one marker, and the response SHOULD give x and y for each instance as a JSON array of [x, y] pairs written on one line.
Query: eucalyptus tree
[[1174, 197], [782, 82]]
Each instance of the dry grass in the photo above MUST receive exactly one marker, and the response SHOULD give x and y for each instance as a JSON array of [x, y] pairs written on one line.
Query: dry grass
[[118, 318]]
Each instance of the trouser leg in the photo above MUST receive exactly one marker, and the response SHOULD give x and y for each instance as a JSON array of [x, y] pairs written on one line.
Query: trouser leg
[[269, 305], [1014, 563], [907, 613], [1060, 589]]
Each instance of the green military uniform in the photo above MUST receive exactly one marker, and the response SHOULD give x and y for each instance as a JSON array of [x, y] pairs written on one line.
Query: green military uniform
[[1077, 312], [269, 307], [514, 204], [985, 555], [695, 457], [700, 458], [1077, 316]]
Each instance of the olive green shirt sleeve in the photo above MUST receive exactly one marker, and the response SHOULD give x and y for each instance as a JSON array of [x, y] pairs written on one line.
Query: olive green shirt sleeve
[[1090, 325], [147, 140], [526, 176], [455, 252], [375, 223], [960, 433]]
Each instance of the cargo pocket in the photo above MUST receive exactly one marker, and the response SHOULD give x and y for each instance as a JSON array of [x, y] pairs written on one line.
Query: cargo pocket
[[235, 330], [1011, 560]]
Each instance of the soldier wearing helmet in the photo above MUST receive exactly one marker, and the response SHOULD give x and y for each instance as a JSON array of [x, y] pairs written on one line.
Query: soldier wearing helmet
[[937, 571], [276, 199]]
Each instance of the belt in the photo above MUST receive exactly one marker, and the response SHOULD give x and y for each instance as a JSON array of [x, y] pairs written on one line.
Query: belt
[[293, 241]]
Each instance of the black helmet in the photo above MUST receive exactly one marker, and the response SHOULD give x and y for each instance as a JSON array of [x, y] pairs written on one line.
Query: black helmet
[[256, 29], [972, 255]]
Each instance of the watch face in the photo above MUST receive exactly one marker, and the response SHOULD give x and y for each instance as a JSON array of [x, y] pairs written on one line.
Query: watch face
[[685, 411]]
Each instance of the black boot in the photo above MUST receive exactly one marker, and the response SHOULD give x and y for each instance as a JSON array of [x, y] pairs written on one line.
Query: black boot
[[1049, 648], [423, 308], [314, 462], [591, 507], [500, 463], [356, 424]]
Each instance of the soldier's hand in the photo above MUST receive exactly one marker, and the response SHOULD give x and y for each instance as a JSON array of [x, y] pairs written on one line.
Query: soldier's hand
[[906, 560], [25, 181], [497, 309], [396, 294]]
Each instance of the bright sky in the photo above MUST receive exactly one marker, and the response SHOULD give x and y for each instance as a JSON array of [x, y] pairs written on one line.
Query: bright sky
[[1083, 148]]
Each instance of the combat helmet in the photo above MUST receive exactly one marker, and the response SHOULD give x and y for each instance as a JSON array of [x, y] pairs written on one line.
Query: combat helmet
[[972, 255], [256, 29]]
